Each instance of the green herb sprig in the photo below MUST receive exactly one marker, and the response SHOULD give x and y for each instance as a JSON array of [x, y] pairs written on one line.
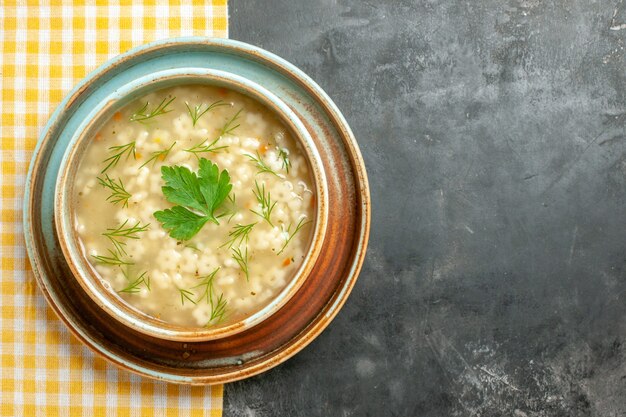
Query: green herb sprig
[[186, 295], [197, 111], [197, 196], [218, 310], [207, 284], [117, 235], [217, 303], [119, 151], [230, 126], [134, 286], [303, 222], [239, 234], [192, 247], [202, 147], [158, 155], [283, 154], [265, 201], [113, 259], [261, 165], [232, 210], [118, 192], [242, 260], [212, 146], [142, 114]]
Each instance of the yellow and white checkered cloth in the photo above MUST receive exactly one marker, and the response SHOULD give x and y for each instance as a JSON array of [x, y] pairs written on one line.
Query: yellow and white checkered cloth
[[44, 50]]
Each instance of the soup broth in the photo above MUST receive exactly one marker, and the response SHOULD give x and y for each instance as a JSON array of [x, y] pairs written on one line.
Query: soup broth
[[195, 205]]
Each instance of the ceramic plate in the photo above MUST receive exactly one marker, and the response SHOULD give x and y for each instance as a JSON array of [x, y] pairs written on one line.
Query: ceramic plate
[[300, 320]]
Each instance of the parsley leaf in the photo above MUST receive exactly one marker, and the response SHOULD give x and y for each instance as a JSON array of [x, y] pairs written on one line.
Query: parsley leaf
[[181, 223], [215, 186], [196, 196]]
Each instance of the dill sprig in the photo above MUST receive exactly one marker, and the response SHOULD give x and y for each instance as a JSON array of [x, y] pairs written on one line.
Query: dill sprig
[[233, 207], [228, 127], [242, 260], [202, 147], [133, 287], [118, 152], [283, 154], [194, 247], [206, 146], [265, 200], [124, 232], [261, 165], [218, 310], [118, 192], [239, 233], [197, 111], [142, 114], [113, 259], [186, 295], [207, 283], [158, 155], [303, 222], [217, 304]]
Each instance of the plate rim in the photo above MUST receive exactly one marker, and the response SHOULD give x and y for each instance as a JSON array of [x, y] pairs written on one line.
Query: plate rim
[[338, 299]]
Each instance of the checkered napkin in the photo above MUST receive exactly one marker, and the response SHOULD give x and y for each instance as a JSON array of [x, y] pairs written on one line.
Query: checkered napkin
[[44, 50]]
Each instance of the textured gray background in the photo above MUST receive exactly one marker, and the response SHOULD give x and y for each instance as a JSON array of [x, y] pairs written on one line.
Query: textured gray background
[[494, 138]]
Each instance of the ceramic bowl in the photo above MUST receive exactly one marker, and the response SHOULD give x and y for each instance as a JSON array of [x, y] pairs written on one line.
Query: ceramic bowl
[[302, 313], [97, 288]]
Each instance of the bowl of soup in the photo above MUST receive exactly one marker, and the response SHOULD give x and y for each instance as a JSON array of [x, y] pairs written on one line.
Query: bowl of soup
[[191, 204], [196, 210]]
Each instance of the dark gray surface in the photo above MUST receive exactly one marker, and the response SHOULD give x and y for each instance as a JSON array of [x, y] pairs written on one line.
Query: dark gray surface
[[494, 138]]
